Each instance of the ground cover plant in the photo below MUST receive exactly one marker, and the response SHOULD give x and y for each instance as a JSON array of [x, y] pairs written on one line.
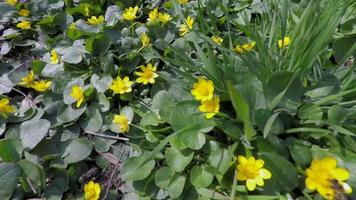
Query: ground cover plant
[[177, 99]]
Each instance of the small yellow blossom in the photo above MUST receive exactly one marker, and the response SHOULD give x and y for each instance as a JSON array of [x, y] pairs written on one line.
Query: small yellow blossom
[[24, 12], [41, 86], [252, 171], [145, 40], [27, 81], [203, 90], [147, 75], [11, 2], [54, 57], [86, 10], [24, 25], [77, 94], [210, 107], [91, 191], [185, 28], [153, 16], [95, 21], [245, 48], [121, 86], [164, 18], [217, 40], [72, 26], [183, 1], [283, 43], [130, 13], [320, 175], [122, 121], [5, 108]]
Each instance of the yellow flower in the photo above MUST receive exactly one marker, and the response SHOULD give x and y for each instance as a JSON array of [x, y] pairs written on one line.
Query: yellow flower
[[203, 90], [183, 1], [54, 57], [153, 16], [5, 108], [245, 48], [218, 40], [95, 21], [283, 43], [252, 171], [24, 25], [27, 81], [77, 94], [164, 17], [147, 75], [86, 10], [91, 191], [121, 86], [210, 107], [41, 86], [185, 28], [11, 2], [24, 12], [320, 175], [130, 13], [145, 39], [122, 121], [72, 26]]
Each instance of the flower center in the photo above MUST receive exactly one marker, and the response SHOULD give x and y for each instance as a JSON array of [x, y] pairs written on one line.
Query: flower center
[[147, 74]]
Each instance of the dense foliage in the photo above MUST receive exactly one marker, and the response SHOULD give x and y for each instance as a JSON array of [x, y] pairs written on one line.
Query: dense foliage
[[178, 99]]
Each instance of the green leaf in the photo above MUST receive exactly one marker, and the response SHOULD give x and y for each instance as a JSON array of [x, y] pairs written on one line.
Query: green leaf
[[10, 150], [336, 114], [33, 172], [242, 110], [55, 189], [282, 171], [182, 116], [137, 168], [33, 131], [37, 66], [112, 15], [72, 55], [77, 150], [9, 178], [200, 177], [98, 45], [176, 186], [93, 120], [310, 111], [269, 124], [163, 177], [219, 157], [178, 160], [69, 113], [102, 144], [101, 84], [301, 154]]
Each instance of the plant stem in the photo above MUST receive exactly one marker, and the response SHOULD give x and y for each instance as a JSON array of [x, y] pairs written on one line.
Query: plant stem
[[107, 136]]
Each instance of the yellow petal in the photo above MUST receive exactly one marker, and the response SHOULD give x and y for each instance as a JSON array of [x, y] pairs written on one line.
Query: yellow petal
[[259, 181], [340, 174], [97, 188], [251, 184], [4, 101], [241, 176], [264, 173], [310, 184], [251, 159], [347, 188], [329, 162], [260, 163], [242, 159]]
